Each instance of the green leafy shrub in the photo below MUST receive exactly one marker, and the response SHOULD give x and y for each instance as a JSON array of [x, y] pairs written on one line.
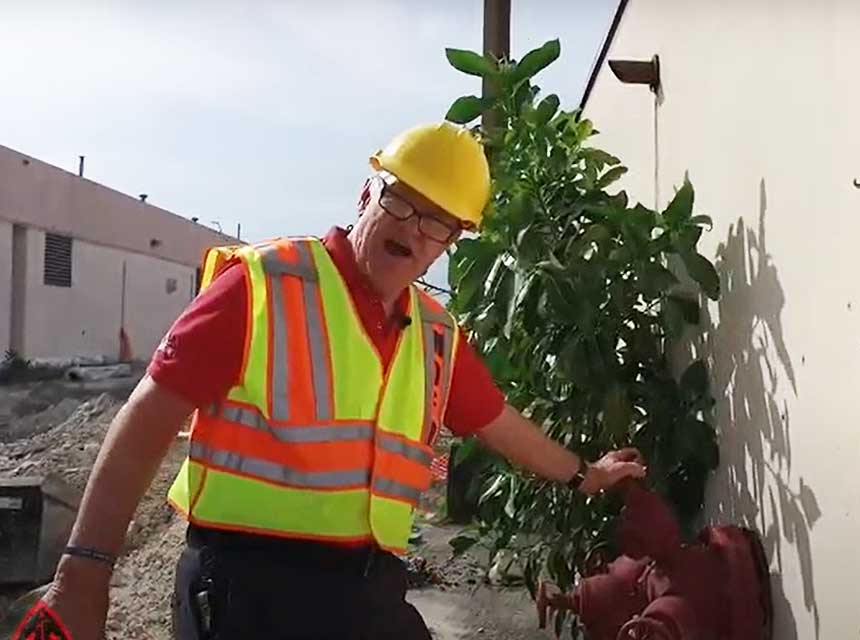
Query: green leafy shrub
[[568, 295]]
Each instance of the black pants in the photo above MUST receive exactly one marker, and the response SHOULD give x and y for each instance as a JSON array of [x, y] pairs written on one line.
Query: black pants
[[231, 586]]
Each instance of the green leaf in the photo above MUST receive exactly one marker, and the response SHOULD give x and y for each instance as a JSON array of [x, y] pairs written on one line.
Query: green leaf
[[694, 380], [462, 543], [493, 489], [596, 233], [610, 176], [704, 221], [530, 243], [656, 279], [688, 307], [584, 130], [681, 207], [472, 271], [547, 108], [600, 158], [686, 240], [467, 108], [695, 438], [574, 363], [643, 218], [505, 292], [535, 61], [522, 288], [524, 97], [510, 505], [672, 320], [617, 412], [703, 272], [471, 63], [520, 211], [466, 450], [561, 300]]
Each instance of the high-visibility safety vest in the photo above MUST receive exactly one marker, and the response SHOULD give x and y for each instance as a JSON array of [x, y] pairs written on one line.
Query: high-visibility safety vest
[[318, 441]]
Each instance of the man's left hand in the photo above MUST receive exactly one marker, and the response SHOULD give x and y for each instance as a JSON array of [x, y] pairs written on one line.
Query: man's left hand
[[612, 468]]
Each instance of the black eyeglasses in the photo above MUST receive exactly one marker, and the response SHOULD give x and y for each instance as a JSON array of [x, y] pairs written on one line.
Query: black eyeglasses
[[429, 224]]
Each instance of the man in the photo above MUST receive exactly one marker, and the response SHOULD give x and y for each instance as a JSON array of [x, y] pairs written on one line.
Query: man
[[320, 377]]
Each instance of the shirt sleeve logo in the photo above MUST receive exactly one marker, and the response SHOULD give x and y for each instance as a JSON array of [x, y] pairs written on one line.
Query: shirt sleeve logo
[[167, 347]]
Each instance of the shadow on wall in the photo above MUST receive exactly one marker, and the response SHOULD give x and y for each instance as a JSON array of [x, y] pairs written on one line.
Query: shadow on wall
[[752, 374]]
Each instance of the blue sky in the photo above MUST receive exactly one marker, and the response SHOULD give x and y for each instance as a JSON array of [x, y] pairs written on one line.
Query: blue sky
[[257, 112]]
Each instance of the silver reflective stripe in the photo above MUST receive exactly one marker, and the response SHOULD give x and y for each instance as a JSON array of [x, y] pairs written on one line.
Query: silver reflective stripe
[[392, 488], [279, 393], [274, 265], [429, 316], [320, 368], [400, 447], [279, 473], [332, 433], [247, 417]]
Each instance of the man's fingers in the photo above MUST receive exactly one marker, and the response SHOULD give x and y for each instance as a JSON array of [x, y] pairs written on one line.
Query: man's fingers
[[629, 454], [629, 470]]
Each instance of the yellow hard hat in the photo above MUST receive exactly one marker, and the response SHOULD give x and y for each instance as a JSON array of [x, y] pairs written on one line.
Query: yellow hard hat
[[445, 164]]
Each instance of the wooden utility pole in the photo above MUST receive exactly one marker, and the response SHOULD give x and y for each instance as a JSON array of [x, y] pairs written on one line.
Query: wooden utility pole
[[497, 30], [497, 42], [497, 45]]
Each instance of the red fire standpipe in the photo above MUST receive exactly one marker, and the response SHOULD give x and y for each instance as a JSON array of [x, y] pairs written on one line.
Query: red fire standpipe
[[662, 588]]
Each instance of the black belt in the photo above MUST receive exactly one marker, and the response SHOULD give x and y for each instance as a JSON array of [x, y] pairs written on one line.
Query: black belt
[[287, 552]]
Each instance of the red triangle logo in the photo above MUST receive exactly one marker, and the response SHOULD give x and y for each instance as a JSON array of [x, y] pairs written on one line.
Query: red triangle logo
[[41, 623]]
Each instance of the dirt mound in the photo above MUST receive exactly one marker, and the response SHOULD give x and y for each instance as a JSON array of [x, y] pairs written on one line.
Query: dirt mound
[[142, 586], [65, 438], [68, 448]]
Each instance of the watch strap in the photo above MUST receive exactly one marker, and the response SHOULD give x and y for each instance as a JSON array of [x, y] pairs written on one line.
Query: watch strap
[[576, 481]]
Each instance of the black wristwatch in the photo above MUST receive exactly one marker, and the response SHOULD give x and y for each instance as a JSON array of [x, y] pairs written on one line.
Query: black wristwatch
[[576, 481]]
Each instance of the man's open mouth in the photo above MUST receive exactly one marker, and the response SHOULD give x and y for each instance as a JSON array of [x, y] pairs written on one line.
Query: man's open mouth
[[397, 249]]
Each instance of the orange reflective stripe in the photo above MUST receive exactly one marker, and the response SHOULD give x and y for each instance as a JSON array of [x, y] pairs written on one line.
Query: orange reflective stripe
[[290, 301], [293, 446], [280, 400], [278, 473], [439, 331], [398, 470]]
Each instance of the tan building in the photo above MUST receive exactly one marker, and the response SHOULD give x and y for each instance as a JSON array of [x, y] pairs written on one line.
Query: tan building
[[760, 103], [79, 262]]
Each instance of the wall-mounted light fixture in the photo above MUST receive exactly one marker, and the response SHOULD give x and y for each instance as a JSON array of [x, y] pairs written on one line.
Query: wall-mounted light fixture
[[638, 72]]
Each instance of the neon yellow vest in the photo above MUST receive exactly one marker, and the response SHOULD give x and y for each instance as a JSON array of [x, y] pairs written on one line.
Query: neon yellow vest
[[317, 441]]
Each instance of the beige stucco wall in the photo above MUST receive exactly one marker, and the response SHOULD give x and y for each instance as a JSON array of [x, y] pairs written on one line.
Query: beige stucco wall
[[40, 195], [85, 319], [108, 228], [5, 286], [760, 105]]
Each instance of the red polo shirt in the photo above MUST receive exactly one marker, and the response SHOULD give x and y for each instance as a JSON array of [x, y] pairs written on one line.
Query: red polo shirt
[[201, 356]]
